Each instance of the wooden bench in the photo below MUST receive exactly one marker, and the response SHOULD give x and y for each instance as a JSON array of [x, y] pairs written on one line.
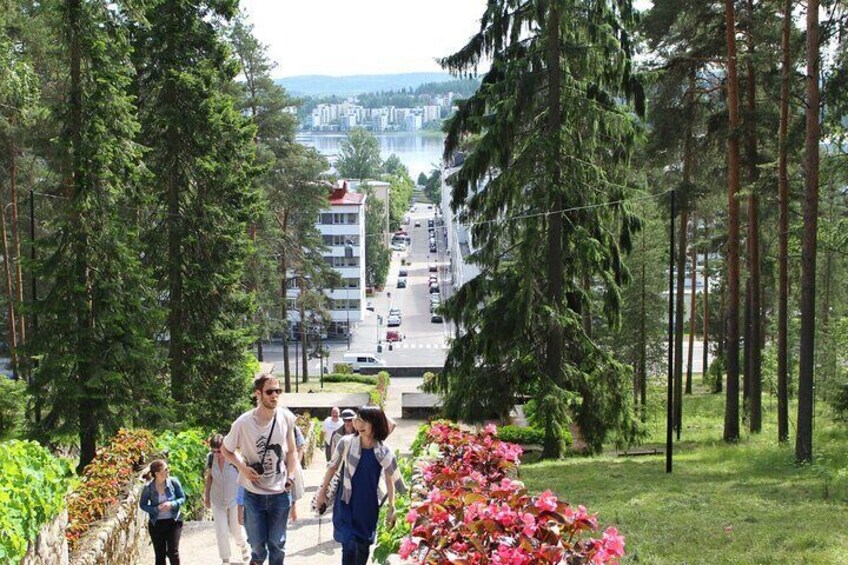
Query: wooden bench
[[641, 452]]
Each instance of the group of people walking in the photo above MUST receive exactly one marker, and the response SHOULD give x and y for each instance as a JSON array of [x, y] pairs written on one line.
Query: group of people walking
[[254, 477]]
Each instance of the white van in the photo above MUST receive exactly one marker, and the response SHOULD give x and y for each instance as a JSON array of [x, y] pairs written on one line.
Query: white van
[[358, 361]]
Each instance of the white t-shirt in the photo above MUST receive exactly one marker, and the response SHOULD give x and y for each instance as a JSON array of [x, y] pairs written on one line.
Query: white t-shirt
[[329, 427], [249, 438]]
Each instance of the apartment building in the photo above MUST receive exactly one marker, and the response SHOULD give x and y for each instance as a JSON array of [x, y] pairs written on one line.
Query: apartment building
[[342, 227]]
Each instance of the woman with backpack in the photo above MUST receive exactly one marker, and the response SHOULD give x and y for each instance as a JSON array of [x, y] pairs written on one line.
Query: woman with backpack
[[220, 495]]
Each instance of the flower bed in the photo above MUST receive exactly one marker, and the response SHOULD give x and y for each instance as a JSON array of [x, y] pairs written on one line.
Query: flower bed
[[105, 479], [381, 390], [475, 513]]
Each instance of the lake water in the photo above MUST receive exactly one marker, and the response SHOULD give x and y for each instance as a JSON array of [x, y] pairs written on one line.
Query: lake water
[[419, 152]]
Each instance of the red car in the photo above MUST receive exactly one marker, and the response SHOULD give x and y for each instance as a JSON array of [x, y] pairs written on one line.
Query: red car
[[393, 336]]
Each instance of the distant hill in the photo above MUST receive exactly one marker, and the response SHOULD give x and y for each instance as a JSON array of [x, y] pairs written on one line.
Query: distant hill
[[323, 85]]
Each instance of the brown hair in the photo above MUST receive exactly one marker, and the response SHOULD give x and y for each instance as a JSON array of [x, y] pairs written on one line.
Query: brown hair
[[375, 416], [259, 382], [156, 466], [216, 441]]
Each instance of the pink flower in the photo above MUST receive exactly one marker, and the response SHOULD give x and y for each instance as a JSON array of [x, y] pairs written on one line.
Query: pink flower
[[529, 522], [435, 496], [614, 542], [407, 546], [546, 501], [412, 516], [490, 429]]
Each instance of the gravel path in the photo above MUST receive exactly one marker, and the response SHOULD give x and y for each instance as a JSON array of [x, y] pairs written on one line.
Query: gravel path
[[308, 543]]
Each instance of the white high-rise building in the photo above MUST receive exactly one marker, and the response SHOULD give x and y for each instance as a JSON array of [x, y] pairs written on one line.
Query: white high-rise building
[[342, 227]]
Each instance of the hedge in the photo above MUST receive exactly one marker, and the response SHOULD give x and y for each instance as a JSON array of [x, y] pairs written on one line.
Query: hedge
[[381, 390], [521, 436], [350, 378], [33, 485]]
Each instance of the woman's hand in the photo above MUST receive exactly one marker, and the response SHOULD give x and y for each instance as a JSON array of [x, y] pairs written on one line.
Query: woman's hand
[[390, 518], [321, 499], [165, 506]]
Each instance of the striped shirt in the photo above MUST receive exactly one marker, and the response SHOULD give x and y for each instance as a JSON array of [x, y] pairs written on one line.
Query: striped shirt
[[384, 455]]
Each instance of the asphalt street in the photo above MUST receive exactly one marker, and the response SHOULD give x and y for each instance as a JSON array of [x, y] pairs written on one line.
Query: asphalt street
[[424, 343]]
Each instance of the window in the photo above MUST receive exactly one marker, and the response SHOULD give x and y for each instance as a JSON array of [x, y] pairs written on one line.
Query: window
[[340, 240], [333, 218], [338, 262]]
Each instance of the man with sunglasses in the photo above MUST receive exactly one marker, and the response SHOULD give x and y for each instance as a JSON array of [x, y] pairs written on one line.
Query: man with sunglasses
[[264, 438]]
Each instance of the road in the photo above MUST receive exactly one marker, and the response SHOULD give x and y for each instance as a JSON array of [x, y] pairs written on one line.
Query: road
[[424, 343]]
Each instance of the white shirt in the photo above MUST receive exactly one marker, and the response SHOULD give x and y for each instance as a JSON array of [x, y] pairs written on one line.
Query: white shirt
[[224, 487], [331, 426], [248, 437]]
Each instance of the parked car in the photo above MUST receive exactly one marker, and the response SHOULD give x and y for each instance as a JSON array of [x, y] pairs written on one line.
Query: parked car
[[403, 273], [433, 268], [395, 312], [434, 289], [359, 360], [433, 249], [392, 336], [369, 306], [417, 223], [393, 321], [436, 318], [401, 283], [398, 247]]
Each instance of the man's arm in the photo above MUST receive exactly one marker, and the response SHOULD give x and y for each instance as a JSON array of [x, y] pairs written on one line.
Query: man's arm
[[236, 460], [291, 450]]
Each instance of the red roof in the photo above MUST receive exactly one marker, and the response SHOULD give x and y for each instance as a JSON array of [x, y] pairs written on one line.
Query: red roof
[[340, 196]]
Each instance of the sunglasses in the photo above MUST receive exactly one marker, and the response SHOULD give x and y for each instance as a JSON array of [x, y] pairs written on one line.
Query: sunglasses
[[271, 391]]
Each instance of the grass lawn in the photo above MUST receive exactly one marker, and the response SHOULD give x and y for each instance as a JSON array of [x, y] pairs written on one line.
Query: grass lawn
[[314, 385], [743, 503]]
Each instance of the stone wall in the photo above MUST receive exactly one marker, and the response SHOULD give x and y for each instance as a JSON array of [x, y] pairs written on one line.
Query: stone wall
[[117, 539], [51, 545]]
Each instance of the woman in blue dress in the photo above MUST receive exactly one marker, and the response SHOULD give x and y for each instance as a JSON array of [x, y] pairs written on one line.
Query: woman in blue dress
[[364, 457]]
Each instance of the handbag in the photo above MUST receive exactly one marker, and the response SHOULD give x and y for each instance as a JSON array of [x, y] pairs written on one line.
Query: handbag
[[298, 486], [333, 487]]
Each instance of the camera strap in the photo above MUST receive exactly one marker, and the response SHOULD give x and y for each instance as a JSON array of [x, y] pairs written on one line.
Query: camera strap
[[268, 441]]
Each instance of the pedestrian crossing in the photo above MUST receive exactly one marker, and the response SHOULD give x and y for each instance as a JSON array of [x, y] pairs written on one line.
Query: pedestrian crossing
[[401, 345]]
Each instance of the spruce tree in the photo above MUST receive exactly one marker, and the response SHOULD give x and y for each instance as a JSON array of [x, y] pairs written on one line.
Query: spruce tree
[[543, 191]]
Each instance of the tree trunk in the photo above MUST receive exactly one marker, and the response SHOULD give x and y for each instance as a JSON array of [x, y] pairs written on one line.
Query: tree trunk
[[721, 353], [753, 371], [16, 242], [554, 347], [731, 412], [806, 358], [304, 333], [706, 336], [643, 340], [783, 233], [284, 316], [11, 320], [692, 303], [586, 310]]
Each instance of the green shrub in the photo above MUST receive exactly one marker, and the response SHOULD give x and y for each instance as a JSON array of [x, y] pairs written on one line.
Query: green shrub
[[105, 479], [388, 541], [837, 398], [12, 402], [381, 390], [186, 454], [342, 368], [350, 378], [33, 485], [522, 436]]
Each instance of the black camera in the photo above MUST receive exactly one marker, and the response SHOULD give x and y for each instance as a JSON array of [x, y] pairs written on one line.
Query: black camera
[[258, 467]]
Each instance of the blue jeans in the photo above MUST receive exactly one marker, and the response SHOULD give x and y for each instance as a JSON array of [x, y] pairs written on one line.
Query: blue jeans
[[265, 519], [355, 552]]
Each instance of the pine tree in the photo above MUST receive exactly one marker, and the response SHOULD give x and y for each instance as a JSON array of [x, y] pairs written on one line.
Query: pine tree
[[97, 359]]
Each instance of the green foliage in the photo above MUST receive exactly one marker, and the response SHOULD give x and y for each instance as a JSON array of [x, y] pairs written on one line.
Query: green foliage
[[381, 390], [350, 378], [388, 541], [433, 186], [377, 255], [342, 368], [186, 452], [837, 397], [401, 198], [523, 436], [359, 155], [106, 479], [420, 443], [12, 401], [33, 485], [422, 179]]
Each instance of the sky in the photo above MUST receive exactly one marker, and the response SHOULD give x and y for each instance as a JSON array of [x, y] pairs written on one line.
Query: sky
[[352, 37]]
